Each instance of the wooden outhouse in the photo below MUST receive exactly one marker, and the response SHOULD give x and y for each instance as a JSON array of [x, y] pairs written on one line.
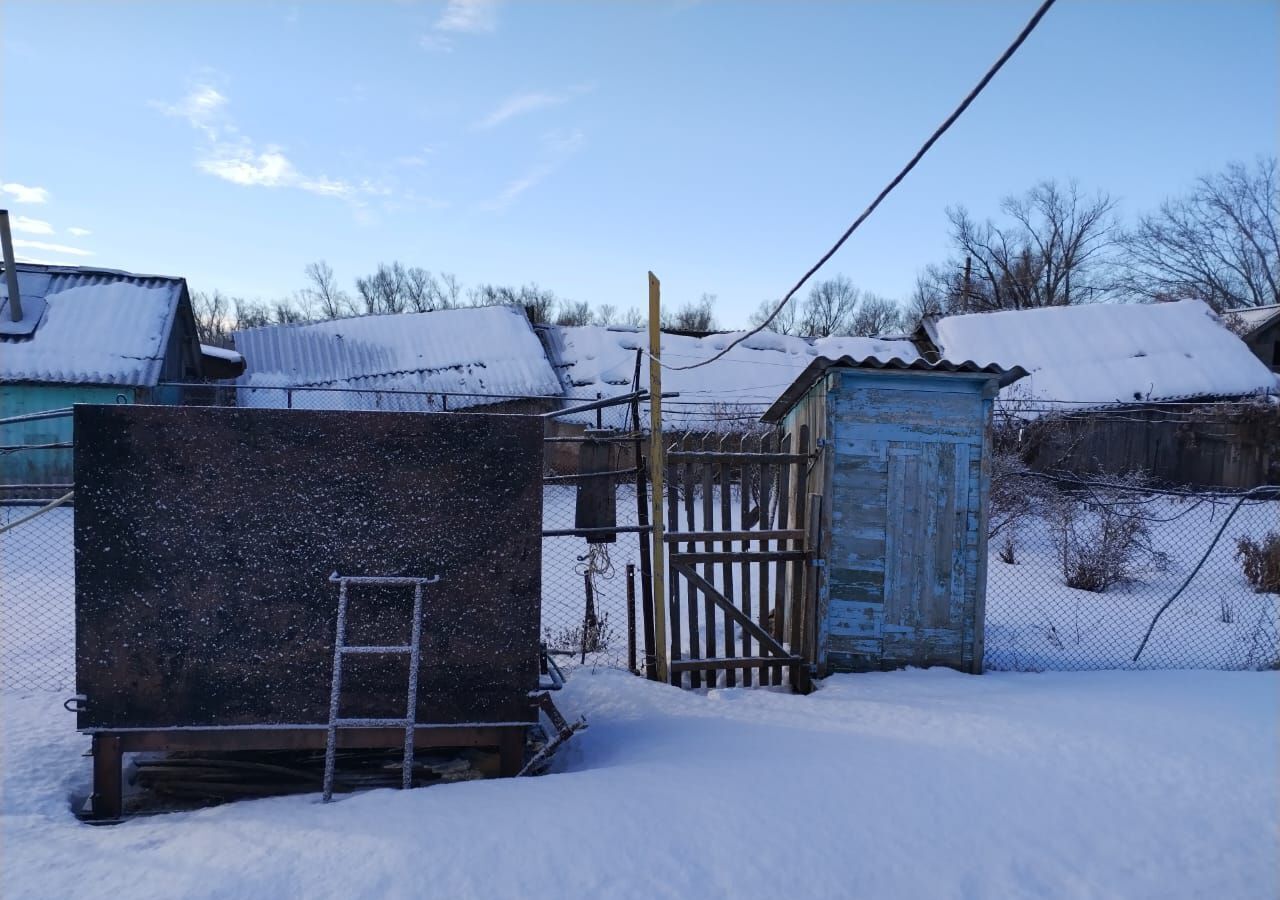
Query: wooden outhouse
[[903, 472]]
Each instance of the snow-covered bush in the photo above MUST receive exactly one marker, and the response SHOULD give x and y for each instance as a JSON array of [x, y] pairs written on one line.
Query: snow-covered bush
[[1261, 562]]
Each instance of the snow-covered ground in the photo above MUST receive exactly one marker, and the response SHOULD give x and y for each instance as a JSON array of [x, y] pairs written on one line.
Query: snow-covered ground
[[909, 784]]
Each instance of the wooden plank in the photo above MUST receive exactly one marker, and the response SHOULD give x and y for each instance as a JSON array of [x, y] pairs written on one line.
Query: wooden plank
[[744, 510], [717, 456], [813, 542], [674, 612], [729, 663], [726, 545], [646, 569], [748, 624], [766, 513], [708, 522], [772, 534], [695, 677], [741, 556], [895, 514], [796, 615], [108, 777], [780, 586], [307, 738]]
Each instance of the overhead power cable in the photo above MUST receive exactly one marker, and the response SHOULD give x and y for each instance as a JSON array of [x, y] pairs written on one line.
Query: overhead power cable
[[933, 139]]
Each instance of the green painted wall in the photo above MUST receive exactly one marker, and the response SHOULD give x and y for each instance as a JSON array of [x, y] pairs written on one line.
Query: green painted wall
[[45, 466]]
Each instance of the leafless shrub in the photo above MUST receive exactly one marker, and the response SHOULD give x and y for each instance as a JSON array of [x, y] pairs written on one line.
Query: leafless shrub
[[1103, 537], [1260, 561]]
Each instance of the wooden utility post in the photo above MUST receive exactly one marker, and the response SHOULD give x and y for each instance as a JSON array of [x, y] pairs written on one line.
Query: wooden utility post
[[655, 477]]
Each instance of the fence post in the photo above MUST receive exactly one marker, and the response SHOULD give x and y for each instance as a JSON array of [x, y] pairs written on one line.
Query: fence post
[[655, 476]]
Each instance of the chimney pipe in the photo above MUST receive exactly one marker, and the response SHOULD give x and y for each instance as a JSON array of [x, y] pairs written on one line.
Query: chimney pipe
[[10, 267]]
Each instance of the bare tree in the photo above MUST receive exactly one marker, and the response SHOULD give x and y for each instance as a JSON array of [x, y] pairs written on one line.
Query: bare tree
[[284, 312], [420, 290], [1052, 250], [928, 298], [212, 314], [539, 304], [787, 321], [450, 290], [248, 314], [385, 290], [875, 315], [696, 316], [829, 308], [322, 297], [571, 313], [606, 314], [633, 318], [1220, 243]]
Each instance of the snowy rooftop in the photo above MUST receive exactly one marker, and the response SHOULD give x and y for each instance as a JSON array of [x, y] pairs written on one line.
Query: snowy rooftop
[[595, 359], [1256, 317], [94, 326], [1109, 353], [489, 352]]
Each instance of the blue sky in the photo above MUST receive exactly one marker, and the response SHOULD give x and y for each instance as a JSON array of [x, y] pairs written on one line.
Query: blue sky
[[723, 145]]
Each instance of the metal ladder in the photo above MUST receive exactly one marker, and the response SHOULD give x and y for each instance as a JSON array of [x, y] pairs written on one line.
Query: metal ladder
[[341, 649]]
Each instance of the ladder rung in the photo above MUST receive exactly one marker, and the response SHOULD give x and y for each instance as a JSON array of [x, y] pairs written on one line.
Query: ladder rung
[[374, 723], [373, 648]]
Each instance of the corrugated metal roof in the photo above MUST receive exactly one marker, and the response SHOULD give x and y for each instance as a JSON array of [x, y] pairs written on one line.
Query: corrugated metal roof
[[1255, 318], [1106, 353], [820, 365], [99, 326], [490, 352]]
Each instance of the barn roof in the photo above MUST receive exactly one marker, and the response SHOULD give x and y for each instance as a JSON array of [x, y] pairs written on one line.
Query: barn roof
[[1103, 354], [489, 352], [598, 359], [89, 326], [1003, 377]]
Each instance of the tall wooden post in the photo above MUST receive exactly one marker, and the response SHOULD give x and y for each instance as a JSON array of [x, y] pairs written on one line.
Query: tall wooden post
[[656, 464]]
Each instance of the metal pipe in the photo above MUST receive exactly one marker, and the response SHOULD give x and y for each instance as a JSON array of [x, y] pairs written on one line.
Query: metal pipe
[[10, 267], [583, 532], [36, 417]]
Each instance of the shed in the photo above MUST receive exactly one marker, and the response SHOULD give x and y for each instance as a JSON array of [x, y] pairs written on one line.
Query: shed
[[90, 336], [904, 479]]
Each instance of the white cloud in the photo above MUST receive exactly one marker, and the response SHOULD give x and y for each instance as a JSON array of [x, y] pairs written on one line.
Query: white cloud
[[30, 226], [460, 17], [51, 248], [468, 17], [557, 147], [519, 105], [203, 108], [78, 232], [240, 164], [21, 193], [233, 157]]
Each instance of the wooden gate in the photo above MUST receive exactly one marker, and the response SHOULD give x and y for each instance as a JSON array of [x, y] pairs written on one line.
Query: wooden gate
[[741, 539]]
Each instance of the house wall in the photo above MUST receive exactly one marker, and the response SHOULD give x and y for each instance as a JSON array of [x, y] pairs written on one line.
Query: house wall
[[22, 398], [904, 485], [1266, 345]]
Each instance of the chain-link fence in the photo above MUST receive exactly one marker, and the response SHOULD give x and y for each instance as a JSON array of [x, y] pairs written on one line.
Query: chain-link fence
[[1116, 574], [1081, 571], [37, 597]]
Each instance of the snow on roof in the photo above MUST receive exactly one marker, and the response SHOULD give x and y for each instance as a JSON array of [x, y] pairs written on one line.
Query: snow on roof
[[489, 352], [222, 353], [1256, 317], [1109, 353], [98, 326], [598, 359]]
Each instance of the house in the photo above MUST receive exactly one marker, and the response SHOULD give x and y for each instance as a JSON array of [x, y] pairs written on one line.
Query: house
[[408, 362], [729, 393], [1157, 387], [87, 335], [1259, 327]]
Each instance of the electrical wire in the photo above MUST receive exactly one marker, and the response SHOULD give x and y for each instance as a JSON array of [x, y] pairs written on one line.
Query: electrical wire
[[933, 139]]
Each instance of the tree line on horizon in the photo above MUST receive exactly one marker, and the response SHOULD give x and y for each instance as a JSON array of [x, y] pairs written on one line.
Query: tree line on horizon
[[1053, 245]]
